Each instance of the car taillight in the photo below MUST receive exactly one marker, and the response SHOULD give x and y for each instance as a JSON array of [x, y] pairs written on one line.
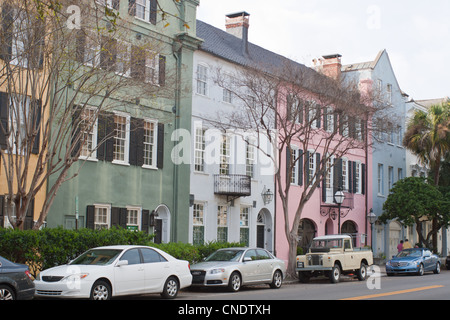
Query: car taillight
[[28, 274], [189, 266]]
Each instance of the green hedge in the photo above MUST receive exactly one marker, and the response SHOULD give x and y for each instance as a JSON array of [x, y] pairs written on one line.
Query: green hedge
[[50, 247]]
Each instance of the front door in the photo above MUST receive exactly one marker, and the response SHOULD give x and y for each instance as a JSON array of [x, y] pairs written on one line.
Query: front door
[[158, 231], [260, 239]]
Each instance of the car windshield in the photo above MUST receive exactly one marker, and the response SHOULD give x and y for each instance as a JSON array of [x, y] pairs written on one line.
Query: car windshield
[[99, 257], [329, 244], [409, 253], [225, 255]]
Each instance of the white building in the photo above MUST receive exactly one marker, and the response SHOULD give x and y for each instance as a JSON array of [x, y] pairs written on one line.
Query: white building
[[229, 174]]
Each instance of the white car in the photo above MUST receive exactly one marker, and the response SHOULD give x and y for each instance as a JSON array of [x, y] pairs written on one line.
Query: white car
[[234, 267], [104, 272]]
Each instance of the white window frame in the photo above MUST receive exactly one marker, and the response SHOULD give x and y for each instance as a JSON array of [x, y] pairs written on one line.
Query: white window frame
[[330, 119], [312, 167], [138, 218], [103, 224], [329, 179], [293, 157], [18, 110], [151, 145], [123, 58], [222, 219], [199, 149], [380, 176], [126, 140], [86, 153], [250, 159], [198, 218], [152, 60], [202, 79], [225, 157], [345, 174], [358, 179]]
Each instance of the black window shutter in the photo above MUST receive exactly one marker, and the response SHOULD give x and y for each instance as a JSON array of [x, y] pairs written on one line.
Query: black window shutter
[[160, 146], [335, 122], [300, 167], [132, 7], [363, 178], [36, 110], [80, 45], [337, 175], [318, 116], [132, 158], [119, 217], [140, 142], [105, 139], [325, 122], [90, 217], [108, 53], [153, 11], [145, 220], [354, 176], [288, 165], [307, 167], [137, 70], [317, 174], [76, 131], [4, 116], [162, 70], [350, 176], [289, 107], [28, 224]]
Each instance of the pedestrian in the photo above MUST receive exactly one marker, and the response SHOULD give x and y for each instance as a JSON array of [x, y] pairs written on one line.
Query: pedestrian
[[400, 246], [407, 245]]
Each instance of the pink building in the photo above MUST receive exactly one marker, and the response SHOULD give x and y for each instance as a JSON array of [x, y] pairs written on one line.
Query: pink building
[[335, 171]]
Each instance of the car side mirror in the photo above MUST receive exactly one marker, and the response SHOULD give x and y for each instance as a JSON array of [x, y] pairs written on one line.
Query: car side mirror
[[247, 259], [122, 263]]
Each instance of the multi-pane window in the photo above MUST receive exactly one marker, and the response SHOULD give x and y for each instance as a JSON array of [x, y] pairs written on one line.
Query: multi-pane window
[[389, 92], [101, 217], [328, 172], [390, 177], [225, 155], [121, 138], [133, 215], [150, 143], [198, 224], [227, 95], [19, 116], [345, 174], [140, 9], [358, 178], [88, 126], [202, 76], [152, 67], [222, 224], [199, 149], [312, 167], [294, 173], [250, 158], [329, 119], [244, 234], [123, 56], [380, 179]]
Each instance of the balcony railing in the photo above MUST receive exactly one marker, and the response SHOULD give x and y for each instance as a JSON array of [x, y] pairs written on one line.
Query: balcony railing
[[236, 185]]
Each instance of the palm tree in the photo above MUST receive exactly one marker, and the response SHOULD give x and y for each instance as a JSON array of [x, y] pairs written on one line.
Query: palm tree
[[428, 136]]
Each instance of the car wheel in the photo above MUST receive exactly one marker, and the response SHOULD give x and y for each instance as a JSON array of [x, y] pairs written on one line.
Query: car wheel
[[437, 270], [335, 274], [277, 280], [6, 293], [171, 288], [421, 270], [101, 290], [362, 272], [234, 283]]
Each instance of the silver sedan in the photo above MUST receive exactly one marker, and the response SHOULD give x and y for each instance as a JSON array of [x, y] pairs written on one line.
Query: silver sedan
[[235, 267]]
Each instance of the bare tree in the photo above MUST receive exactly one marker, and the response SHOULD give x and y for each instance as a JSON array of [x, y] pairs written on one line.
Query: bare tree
[[294, 105], [64, 64]]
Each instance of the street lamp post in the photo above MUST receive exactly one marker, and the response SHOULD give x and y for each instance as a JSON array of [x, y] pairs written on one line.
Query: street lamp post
[[372, 218], [339, 198]]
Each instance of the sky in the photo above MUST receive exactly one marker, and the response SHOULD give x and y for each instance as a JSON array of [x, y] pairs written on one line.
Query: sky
[[415, 34]]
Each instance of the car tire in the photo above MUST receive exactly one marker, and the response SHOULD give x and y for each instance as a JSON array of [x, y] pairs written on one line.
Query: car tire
[[234, 284], [362, 272], [421, 270], [101, 290], [6, 293], [277, 280], [437, 270], [171, 288], [335, 274]]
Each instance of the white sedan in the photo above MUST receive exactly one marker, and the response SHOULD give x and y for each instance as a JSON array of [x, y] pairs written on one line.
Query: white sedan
[[103, 272]]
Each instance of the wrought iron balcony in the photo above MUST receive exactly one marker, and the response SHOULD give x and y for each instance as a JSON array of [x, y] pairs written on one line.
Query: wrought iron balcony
[[235, 185]]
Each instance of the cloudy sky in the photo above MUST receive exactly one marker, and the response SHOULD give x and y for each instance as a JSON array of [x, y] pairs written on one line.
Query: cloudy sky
[[415, 34]]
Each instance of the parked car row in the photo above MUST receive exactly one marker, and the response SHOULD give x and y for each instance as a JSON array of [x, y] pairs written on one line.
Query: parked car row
[[104, 272]]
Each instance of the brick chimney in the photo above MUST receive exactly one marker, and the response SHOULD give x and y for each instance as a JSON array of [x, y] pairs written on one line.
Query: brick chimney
[[237, 24], [329, 65]]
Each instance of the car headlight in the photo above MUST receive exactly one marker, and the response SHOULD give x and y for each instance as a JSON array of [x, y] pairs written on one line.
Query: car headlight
[[74, 277], [388, 263], [414, 263], [218, 270]]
